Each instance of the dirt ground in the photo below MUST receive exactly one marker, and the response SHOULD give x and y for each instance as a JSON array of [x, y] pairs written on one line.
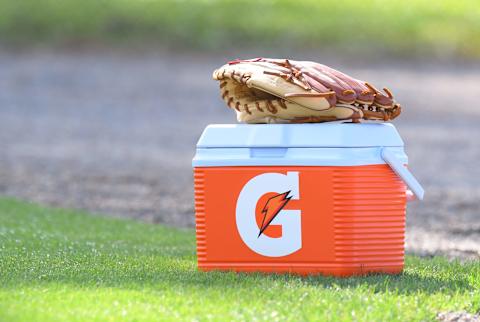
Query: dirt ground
[[115, 133]]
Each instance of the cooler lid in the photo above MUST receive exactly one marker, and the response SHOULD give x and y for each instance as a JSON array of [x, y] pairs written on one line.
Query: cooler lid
[[300, 135]]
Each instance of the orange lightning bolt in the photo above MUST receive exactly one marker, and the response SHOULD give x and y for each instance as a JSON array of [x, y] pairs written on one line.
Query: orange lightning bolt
[[272, 207]]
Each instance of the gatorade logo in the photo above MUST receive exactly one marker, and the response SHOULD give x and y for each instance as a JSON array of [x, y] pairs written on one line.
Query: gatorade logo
[[286, 188]]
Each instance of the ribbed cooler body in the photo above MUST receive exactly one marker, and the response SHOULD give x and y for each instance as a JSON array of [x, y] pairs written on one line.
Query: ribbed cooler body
[[352, 220], [200, 215], [369, 207]]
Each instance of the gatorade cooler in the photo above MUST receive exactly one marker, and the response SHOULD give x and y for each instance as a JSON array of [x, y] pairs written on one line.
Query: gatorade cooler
[[302, 198]]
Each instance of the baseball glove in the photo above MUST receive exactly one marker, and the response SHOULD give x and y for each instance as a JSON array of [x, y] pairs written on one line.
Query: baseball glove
[[265, 90]]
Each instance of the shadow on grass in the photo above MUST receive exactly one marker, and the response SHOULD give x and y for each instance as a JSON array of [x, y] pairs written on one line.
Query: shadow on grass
[[406, 283], [426, 276]]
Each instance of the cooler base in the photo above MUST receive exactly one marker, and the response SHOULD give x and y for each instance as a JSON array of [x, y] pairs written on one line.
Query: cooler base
[[305, 269]]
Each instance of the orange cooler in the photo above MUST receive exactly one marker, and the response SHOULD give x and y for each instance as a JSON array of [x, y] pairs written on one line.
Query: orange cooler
[[302, 198]]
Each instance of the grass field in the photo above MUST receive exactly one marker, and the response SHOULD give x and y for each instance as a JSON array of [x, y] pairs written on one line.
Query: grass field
[[67, 265], [396, 27]]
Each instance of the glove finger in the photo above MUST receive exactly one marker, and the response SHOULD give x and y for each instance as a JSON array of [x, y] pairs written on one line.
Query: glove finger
[[344, 94], [382, 100], [319, 82], [364, 95]]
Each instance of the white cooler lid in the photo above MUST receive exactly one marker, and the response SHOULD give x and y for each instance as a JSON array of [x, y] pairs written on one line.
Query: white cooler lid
[[321, 144], [315, 135]]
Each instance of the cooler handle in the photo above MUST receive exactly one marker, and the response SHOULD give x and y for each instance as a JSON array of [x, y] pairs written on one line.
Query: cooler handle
[[402, 171]]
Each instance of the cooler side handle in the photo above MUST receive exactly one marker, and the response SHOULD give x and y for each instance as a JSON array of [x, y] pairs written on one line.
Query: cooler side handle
[[398, 167]]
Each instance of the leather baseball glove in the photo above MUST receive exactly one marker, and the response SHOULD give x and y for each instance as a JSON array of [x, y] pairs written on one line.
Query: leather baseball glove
[[265, 90]]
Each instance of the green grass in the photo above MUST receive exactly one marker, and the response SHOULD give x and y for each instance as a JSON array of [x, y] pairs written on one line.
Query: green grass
[[396, 27], [60, 264]]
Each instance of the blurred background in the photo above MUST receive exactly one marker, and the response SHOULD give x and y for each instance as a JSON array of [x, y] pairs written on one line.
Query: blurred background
[[102, 101]]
